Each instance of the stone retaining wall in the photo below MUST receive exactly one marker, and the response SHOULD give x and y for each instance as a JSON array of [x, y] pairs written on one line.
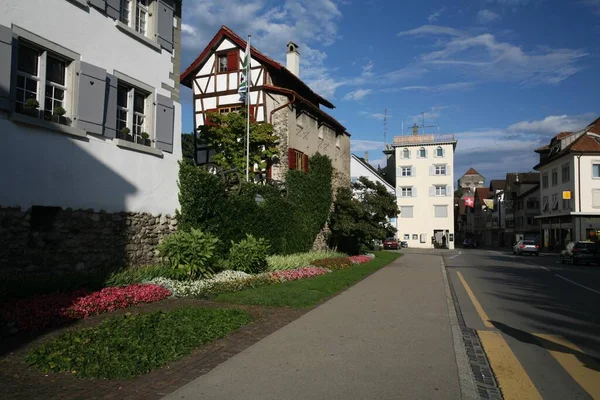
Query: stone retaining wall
[[49, 239]]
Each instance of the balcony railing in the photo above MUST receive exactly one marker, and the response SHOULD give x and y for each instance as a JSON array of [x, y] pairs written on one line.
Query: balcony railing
[[419, 139]]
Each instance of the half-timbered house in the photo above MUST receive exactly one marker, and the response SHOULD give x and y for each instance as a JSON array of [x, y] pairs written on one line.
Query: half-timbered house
[[277, 96]]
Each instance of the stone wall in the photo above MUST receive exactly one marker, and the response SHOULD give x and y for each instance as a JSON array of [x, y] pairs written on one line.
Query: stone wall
[[338, 179], [50, 239]]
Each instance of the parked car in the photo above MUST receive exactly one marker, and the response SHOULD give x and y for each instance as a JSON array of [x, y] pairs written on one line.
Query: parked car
[[581, 252], [391, 244], [404, 244], [469, 243], [526, 247]]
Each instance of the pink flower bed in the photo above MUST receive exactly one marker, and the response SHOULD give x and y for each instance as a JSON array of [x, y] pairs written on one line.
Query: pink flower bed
[[45, 310], [299, 273], [360, 259]]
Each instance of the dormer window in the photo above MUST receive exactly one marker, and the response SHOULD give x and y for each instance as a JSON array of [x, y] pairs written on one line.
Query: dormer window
[[422, 152]]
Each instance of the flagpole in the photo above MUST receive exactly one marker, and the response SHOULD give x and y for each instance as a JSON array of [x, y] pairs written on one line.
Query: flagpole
[[248, 100]]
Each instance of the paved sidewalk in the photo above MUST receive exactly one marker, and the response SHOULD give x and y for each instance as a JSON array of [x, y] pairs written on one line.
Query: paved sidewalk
[[388, 337]]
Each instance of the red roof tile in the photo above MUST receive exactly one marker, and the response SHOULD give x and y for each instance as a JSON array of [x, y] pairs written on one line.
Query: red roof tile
[[188, 74], [594, 127], [587, 144], [472, 171], [482, 193], [563, 135]]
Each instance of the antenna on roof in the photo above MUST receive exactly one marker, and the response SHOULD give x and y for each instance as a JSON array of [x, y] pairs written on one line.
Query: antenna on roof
[[385, 126]]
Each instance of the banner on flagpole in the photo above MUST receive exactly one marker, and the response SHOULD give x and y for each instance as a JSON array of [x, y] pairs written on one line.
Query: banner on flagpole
[[244, 77]]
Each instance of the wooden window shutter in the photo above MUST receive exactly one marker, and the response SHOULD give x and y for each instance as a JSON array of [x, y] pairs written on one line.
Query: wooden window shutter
[[207, 120], [233, 62], [252, 113], [305, 162], [291, 158]]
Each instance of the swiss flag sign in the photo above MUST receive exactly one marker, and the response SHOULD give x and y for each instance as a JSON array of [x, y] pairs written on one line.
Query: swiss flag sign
[[469, 202]]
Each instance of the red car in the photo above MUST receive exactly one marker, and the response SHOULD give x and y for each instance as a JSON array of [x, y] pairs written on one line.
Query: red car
[[391, 243]]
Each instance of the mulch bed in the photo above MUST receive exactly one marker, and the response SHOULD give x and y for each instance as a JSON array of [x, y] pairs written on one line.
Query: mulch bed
[[19, 381]]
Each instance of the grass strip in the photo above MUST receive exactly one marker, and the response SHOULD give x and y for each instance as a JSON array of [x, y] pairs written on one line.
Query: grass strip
[[130, 345]]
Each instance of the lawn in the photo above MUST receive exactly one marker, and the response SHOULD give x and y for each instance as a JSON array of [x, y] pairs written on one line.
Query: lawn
[[308, 292], [130, 345]]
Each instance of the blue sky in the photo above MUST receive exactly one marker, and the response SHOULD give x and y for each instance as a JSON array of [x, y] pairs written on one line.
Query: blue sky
[[503, 75]]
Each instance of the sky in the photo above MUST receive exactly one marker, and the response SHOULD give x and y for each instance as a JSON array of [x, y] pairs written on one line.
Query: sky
[[504, 76]]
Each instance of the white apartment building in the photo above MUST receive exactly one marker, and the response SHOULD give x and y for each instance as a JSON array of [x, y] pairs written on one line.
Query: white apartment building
[[570, 187], [424, 180], [91, 127]]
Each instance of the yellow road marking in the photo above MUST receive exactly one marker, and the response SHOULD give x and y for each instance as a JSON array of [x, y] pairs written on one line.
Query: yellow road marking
[[581, 367], [512, 378], [480, 310]]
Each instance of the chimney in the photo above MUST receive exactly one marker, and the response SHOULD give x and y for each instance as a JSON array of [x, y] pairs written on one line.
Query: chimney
[[415, 130], [293, 59], [366, 156]]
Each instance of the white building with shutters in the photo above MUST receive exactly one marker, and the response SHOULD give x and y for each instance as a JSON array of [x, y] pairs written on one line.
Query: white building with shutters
[[108, 67], [420, 167], [89, 106]]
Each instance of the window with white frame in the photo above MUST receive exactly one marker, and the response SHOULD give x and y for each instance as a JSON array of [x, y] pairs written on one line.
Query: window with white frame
[[405, 153], [439, 152], [545, 180], [440, 190], [566, 172], [406, 212], [136, 14], [440, 170], [132, 115], [406, 171], [422, 152], [407, 192], [42, 83], [596, 170], [554, 177], [440, 211]]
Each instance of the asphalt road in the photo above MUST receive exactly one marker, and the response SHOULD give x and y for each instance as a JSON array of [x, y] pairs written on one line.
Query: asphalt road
[[538, 320]]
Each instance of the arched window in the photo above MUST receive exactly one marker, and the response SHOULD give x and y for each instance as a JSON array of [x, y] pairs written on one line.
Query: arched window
[[439, 152], [405, 153], [422, 152]]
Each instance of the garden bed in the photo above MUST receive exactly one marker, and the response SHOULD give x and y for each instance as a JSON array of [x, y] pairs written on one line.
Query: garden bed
[[308, 292]]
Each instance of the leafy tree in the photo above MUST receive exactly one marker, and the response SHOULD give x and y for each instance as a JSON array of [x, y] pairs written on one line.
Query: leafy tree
[[187, 146], [227, 136], [360, 215]]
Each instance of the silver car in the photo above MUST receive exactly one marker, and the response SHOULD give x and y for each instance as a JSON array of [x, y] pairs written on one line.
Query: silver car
[[526, 247]]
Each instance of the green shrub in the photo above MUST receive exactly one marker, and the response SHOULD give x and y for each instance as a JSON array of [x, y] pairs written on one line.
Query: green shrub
[[249, 255], [298, 260], [333, 264], [131, 275], [290, 224], [130, 345], [190, 254]]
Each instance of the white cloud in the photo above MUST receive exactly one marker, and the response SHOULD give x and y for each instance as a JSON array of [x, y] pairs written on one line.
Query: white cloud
[[357, 94], [434, 88], [487, 16], [485, 55], [366, 145], [434, 16], [379, 116], [494, 152], [430, 116], [312, 24], [431, 30], [553, 124], [367, 69]]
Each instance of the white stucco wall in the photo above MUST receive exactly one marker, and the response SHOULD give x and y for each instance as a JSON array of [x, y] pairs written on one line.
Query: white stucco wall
[[589, 184], [424, 220], [357, 170], [42, 167]]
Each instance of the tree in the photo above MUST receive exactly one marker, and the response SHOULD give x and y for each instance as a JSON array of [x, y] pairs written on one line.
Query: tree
[[187, 146], [361, 215], [226, 134]]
